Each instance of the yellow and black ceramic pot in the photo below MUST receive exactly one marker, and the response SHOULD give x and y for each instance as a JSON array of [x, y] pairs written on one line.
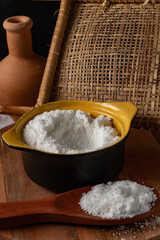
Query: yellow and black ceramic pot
[[62, 172]]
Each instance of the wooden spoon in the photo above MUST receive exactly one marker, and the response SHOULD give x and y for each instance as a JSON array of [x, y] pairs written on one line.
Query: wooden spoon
[[59, 208]]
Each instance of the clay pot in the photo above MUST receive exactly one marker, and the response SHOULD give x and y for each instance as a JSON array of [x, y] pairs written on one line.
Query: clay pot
[[22, 70]]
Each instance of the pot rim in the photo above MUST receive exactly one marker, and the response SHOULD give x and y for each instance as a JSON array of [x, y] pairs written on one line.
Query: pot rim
[[121, 112], [17, 23]]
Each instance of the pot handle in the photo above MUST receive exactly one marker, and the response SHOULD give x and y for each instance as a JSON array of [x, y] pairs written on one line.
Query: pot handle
[[12, 140], [125, 109]]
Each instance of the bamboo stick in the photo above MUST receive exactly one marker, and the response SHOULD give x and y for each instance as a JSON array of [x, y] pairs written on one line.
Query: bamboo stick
[[55, 47], [14, 110]]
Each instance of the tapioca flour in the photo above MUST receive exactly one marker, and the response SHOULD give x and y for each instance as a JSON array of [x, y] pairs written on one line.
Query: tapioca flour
[[117, 200], [69, 132]]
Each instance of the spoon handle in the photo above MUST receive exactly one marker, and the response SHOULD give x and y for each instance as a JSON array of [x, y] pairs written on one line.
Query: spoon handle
[[13, 214]]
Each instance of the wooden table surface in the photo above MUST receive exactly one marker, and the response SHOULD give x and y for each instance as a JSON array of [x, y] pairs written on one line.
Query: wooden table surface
[[142, 162]]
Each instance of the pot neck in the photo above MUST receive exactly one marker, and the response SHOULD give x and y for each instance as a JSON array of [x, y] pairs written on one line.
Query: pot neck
[[20, 44], [19, 38]]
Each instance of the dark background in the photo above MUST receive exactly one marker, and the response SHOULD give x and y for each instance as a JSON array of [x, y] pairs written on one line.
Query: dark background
[[43, 14]]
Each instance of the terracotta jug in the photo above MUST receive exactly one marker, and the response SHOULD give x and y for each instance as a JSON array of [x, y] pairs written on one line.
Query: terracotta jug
[[22, 70]]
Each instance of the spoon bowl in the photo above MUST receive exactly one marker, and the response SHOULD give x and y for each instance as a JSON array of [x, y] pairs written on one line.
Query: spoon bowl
[[63, 208]]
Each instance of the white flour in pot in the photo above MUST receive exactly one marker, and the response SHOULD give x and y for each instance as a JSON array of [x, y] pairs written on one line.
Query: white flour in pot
[[68, 132], [119, 199]]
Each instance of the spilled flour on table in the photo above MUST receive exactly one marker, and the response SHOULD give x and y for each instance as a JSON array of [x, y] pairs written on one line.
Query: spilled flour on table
[[135, 230]]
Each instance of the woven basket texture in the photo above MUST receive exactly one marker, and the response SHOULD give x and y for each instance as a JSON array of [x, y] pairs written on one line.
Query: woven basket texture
[[112, 56]]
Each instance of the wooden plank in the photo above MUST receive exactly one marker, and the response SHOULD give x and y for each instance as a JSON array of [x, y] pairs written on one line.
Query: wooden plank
[[45, 232], [5, 234], [156, 134], [18, 187]]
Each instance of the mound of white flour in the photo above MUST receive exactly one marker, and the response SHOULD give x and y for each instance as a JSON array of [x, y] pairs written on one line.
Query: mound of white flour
[[68, 132], [119, 199]]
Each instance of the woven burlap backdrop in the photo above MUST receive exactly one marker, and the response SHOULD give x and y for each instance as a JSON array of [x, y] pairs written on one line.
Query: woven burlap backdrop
[[112, 56]]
